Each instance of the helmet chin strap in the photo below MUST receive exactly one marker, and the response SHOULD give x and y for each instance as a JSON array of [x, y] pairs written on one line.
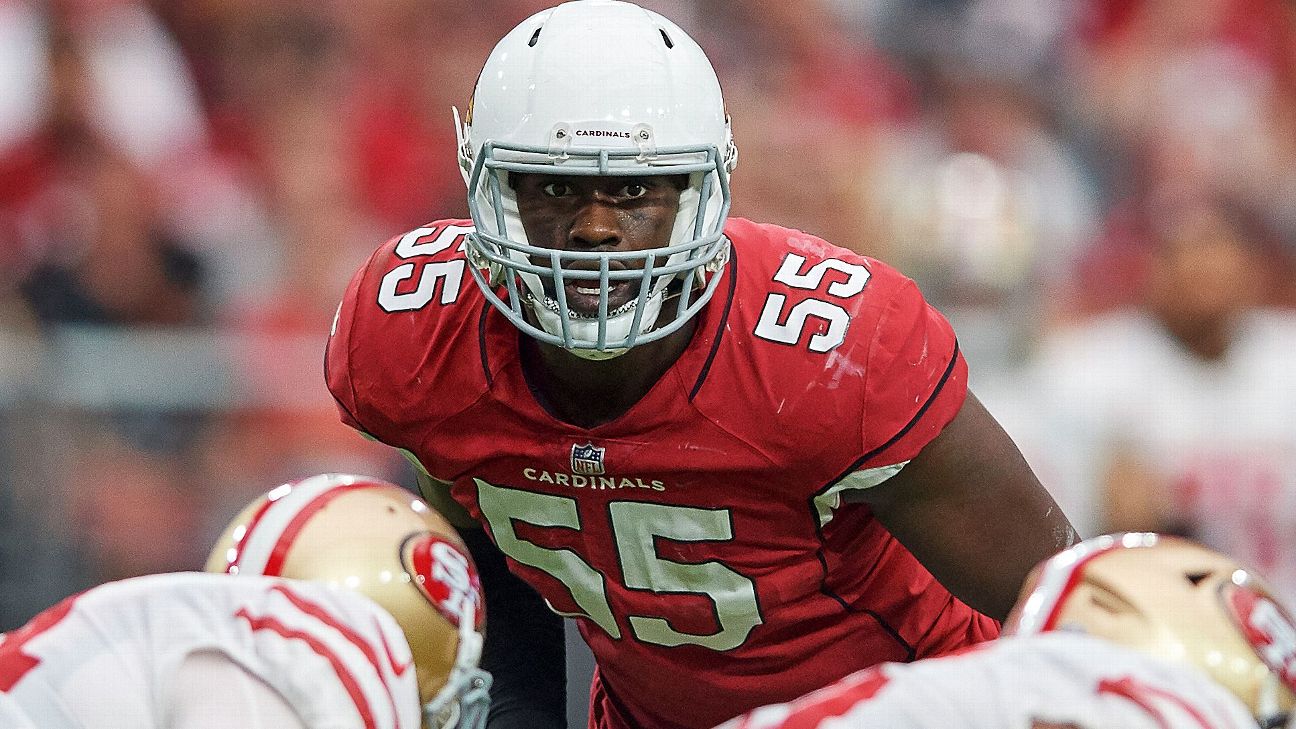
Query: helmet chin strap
[[618, 326], [1268, 712], [599, 355]]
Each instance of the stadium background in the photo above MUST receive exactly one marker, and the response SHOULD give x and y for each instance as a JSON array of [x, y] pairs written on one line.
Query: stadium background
[[186, 186]]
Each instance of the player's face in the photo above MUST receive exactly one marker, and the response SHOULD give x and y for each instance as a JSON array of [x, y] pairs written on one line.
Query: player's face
[[600, 214]]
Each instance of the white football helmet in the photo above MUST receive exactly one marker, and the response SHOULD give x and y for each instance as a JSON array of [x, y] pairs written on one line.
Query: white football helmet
[[598, 88], [1175, 599], [378, 539]]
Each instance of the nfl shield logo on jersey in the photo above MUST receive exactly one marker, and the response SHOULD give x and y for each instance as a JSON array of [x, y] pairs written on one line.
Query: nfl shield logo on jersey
[[587, 460]]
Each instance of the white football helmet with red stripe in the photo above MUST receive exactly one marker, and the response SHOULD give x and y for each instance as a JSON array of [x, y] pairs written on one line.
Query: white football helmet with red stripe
[[1176, 599], [378, 539]]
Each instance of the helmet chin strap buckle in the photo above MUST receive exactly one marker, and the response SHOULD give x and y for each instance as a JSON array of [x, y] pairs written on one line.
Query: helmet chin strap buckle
[[494, 271], [721, 258]]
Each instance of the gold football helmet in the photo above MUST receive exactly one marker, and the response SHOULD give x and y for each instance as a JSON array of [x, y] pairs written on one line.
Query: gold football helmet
[[383, 541], [1176, 599]]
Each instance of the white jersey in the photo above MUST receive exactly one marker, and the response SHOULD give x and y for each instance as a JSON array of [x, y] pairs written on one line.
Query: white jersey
[[109, 658], [1221, 436], [1048, 681]]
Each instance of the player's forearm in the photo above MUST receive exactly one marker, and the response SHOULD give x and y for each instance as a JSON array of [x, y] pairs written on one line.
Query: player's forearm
[[1040, 531], [524, 650], [980, 553]]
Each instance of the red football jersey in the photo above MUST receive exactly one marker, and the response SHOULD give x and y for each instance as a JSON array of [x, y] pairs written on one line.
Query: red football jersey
[[700, 539]]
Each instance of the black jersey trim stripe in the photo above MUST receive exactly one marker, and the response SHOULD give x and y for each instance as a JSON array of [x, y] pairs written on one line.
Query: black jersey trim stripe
[[827, 591], [939, 614], [732, 270], [940, 386], [481, 344], [814, 512], [910, 652]]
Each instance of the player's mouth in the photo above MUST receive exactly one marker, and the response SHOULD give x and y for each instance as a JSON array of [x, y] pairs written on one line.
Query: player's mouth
[[583, 298]]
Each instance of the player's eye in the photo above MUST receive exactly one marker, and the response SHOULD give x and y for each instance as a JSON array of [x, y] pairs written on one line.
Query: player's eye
[[634, 189], [556, 189]]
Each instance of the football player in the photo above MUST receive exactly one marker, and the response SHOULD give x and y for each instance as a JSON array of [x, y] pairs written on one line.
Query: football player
[[1130, 631], [376, 538], [391, 641], [744, 460]]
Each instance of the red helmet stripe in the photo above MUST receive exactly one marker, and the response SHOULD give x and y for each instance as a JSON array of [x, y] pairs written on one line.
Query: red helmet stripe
[[270, 532], [1060, 576], [235, 554], [274, 564], [1074, 575]]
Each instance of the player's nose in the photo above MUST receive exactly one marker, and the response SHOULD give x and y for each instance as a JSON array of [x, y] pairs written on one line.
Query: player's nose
[[597, 225]]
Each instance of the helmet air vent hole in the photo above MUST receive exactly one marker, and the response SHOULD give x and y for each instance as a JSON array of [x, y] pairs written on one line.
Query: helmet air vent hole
[[1109, 601], [1105, 603], [535, 37], [669, 43], [1197, 577]]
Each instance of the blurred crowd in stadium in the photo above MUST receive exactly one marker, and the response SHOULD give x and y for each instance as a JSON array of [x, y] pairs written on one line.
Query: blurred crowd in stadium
[[1098, 193]]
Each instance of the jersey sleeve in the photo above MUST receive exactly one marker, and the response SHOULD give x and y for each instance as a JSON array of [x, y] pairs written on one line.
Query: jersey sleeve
[[397, 323], [338, 372], [916, 381]]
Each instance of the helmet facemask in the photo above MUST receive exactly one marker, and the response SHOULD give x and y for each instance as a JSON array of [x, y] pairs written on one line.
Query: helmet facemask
[[534, 279], [464, 701]]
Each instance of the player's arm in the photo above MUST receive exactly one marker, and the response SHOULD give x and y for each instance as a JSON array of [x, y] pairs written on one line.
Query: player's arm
[[972, 511], [524, 651]]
